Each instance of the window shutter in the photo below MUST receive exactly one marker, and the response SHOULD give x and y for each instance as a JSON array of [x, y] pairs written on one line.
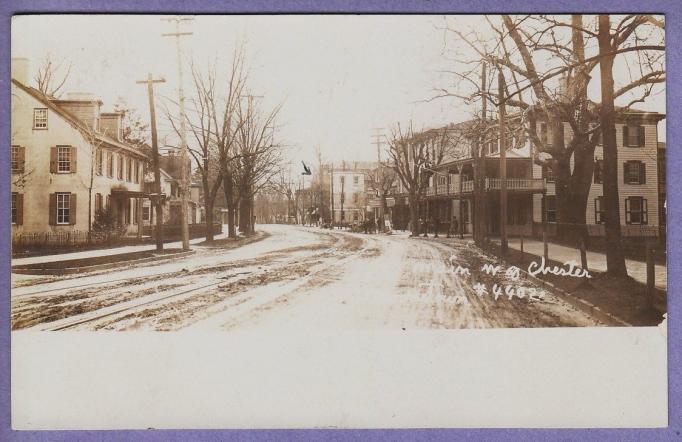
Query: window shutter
[[627, 211], [645, 212], [597, 209], [20, 209], [642, 173], [640, 136], [73, 159], [72, 209], [21, 154], [53, 209], [53, 159], [625, 135], [626, 169]]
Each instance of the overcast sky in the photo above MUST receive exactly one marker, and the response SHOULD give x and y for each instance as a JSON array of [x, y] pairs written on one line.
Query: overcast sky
[[338, 76]]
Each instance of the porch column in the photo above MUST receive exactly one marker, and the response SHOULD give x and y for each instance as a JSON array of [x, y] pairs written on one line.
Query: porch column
[[139, 217]]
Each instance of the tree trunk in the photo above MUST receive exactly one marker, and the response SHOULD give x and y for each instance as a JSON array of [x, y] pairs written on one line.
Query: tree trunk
[[228, 189], [382, 216], [615, 258], [414, 216], [209, 220]]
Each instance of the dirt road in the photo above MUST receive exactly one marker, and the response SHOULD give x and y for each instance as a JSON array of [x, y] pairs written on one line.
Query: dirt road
[[296, 278]]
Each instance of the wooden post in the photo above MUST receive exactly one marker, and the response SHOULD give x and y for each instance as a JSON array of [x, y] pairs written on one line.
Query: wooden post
[[583, 250], [650, 273], [503, 164], [544, 227], [522, 255], [460, 167], [155, 156]]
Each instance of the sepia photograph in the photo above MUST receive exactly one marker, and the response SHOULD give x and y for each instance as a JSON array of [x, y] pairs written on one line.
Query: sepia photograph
[[218, 173], [338, 221]]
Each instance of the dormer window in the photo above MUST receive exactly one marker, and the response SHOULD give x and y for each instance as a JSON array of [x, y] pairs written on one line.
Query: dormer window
[[40, 118]]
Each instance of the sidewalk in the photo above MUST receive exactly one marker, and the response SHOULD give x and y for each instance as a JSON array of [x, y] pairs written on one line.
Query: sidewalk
[[107, 252], [595, 261]]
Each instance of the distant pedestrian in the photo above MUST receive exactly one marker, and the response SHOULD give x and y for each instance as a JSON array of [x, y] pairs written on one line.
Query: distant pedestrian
[[426, 227], [454, 225], [436, 225]]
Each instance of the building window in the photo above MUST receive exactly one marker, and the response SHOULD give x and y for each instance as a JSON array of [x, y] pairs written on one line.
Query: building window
[[548, 174], [633, 136], [544, 136], [636, 210], [99, 161], [599, 171], [63, 208], [634, 172], [120, 167], [145, 213], [599, 214], [110, 165], [108, 202], [129, 170], [98, 203], [63, 159], [40, 118], [355, 198], [14, 208], [17, 159], [550, 208], [356, 180]]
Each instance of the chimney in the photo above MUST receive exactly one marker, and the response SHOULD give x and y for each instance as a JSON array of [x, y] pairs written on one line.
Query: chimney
[[111, 124], [84, 105], [20, 70]]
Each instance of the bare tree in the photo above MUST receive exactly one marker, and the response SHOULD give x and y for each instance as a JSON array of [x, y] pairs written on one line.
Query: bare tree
[[258, 157], [624, 35], [412, 156], [382, 181], [52, 75], [533, 52]]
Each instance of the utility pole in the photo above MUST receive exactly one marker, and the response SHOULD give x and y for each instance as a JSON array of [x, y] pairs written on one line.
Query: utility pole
[[503, 163], [184, 187], [331, 180], [479, 162], [378, 142], [155, 157]]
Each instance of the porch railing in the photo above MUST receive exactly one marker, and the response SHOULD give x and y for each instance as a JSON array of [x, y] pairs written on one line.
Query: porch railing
[[513, 184]]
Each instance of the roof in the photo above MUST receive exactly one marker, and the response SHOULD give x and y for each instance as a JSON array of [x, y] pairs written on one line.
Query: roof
[[73, 120]]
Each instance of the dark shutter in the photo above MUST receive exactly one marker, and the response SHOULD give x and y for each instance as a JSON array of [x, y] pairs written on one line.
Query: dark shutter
[[20, 209], [53, 159], [72, 209], [53, 209], [597, 209], [21, 158], [73, 160], [625, 135], [642, 173], [645, 212], [640, 136], [627, 211], [626, 168]]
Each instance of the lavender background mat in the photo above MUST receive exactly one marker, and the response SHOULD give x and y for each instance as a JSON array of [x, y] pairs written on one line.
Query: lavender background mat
[[673, 11]]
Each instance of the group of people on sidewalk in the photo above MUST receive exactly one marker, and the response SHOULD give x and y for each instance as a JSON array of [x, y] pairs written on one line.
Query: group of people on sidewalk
[[433, 225]]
